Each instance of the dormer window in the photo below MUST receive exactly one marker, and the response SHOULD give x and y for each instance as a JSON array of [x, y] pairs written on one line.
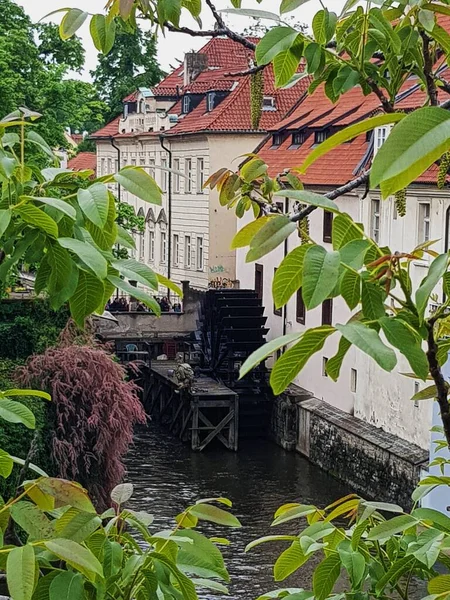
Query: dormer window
[[269, 103], [321, 136], [381, 134], [298, 138], [277, 139], [186, 104], [211, 98]]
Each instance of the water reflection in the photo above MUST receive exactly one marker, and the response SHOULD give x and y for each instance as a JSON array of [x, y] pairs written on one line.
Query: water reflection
[[258, 479]]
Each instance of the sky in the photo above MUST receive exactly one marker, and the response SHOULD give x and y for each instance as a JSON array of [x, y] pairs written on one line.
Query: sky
[[174, 45]]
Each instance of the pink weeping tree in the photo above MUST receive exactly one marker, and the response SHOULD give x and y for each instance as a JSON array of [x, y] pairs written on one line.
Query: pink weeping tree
[[95, 406]]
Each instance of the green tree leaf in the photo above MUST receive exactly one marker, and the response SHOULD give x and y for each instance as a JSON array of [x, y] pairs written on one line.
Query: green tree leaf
[[372, 300], [63, 279], [86, 298], [36, 217], [413, 145], [35, 138], [311, 198], [289, 275], [426, 394], [276, 40], [60, 205], [320, 275], [398, 568], [354, 564], [292, 362], [290, 512], [66, 493], [94, 202], [274, 232], [71, 22], [354, 252], [334, 364], [136, 293], [89, 255], [15, 412], [289, 5], [21, 570], [289, 561], [270, 538], [285, 64], [386, 529], [6, 464], [136, 271], [437, 269], [400, 335], [103, 33], [325, 576], [246, 234], [344, 230], [267, 350], [369, 341], [207, 512], [76, 556], [32, 520], [5, 219], [439, 585], [162, 280], [351, 288], [140, 184], [253, 169], [67, 586]]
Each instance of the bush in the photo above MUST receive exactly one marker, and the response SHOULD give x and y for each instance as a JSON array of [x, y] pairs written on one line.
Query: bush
[[28, 327], [95, 411], [16, 439]]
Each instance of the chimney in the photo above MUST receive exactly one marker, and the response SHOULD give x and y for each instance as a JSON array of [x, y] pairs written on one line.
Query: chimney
[[194, 64]]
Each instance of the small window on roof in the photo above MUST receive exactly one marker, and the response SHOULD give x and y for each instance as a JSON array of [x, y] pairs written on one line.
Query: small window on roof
[[269, 103], [211, 98], [321, 136], [277, 139], [186, 104], [298, 138]]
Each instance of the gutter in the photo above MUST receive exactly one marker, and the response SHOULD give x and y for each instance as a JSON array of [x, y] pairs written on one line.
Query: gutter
[[169, 210]]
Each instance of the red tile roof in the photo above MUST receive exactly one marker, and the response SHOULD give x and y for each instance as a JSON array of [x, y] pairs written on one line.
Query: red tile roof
[[82, 161], [109, 130], [234, 112]]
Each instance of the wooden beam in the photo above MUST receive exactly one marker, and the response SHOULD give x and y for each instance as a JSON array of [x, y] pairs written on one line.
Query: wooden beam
[[216, 433]]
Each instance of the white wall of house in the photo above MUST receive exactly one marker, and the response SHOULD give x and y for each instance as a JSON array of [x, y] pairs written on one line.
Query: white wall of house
[[378, 397]]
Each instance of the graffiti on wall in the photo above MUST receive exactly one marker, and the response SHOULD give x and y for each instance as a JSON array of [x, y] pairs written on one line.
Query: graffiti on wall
[[217, 269], [223, 282]]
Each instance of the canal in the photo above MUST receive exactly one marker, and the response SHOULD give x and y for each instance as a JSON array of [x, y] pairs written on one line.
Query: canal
[[258, 479]]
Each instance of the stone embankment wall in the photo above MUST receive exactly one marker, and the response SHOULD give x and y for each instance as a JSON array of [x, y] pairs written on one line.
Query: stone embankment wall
[[372, 462]]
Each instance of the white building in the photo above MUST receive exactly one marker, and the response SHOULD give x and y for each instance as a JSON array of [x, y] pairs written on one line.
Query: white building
[[363, 388], [195, 121]]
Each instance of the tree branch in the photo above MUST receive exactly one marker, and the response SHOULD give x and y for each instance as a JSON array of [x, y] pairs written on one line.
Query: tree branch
[[250, 71], [240, 39], [388, 107], [428, 70], [438, 378]]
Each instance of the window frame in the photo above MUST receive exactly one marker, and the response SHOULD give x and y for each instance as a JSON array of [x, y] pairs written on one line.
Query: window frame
[[300, 141], [327, 226], [353, 380], [375, 218], [188, 175], [176, 250], [270, 105], [300, 308], [424, 222], [277, 140], [200, 254], [188, 251], [210, 101], [176, 178], [151, 246], [278, 312], [322, 133], [163, 255], [327, 312], [200, 175], [164, 175], [186, 104]]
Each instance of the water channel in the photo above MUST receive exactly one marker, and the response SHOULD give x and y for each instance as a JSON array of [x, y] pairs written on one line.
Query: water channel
[[258, 479]]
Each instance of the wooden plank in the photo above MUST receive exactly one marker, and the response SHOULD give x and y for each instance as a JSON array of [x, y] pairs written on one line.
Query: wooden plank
[[233, 433], [195, 436], [229, 417], [207, 422], [185, 422], [176, 415]]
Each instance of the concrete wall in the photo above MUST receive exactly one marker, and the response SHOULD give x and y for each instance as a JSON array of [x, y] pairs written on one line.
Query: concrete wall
[[380, 399]]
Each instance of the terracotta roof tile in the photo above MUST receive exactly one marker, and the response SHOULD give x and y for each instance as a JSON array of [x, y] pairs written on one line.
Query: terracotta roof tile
[[82, 161], [109, 130]]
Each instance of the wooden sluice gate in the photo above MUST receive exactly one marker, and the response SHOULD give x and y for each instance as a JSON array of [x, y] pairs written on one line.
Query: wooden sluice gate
[[204, 412]]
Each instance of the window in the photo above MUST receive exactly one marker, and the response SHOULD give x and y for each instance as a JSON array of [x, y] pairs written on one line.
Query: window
[[188, 174], [200, 175], [176, 178], [324, 366], [211, 98], [200, 256], [321, 136], [381, 134], [151, 169], [424, 222], [164, 174], [327, 312], [298, 138], [277, 139], [300, 309], [269, 103], [133, 162], [187, 252], [186, 104], [327, 225], [375, 220], [116, 165], [176, 249], [142, 161], [103, 167], [259, 281], [151, 246], [277, 311], [109, 165], [353, 380], [141, 247], [394, 210], [163, 246], [416, 391]]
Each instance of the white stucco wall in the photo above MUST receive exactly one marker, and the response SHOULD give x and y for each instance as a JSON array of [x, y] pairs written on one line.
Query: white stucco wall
[[382, 399]]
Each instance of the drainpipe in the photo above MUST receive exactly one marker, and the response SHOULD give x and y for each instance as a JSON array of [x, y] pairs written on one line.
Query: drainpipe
[[169, 209], [117, 148]]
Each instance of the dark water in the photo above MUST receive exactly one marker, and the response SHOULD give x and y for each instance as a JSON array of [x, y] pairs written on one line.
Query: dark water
[[258, 479]]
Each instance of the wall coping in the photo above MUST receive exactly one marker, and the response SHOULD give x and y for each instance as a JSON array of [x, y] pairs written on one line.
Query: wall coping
[[402, 449]]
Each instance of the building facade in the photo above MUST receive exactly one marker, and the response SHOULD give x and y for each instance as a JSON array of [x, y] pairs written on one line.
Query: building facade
[[195, 122]]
